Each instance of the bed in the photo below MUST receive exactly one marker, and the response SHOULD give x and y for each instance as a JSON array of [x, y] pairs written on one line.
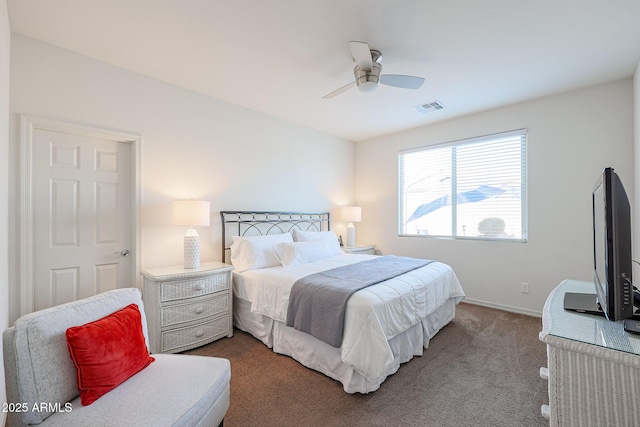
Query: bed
[[385, 324]]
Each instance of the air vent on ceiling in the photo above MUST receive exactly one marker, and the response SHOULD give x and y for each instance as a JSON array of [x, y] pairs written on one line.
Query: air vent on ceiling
[[429, 107]]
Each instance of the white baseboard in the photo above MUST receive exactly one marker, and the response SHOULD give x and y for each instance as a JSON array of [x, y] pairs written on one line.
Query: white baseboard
[[504, 307]]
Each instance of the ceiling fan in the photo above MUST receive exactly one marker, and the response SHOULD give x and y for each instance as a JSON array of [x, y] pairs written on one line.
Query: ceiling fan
[[367, 72]]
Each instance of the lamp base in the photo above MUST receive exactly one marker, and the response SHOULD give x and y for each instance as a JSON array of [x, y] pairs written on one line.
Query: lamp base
[[191, 249], [351, 234]]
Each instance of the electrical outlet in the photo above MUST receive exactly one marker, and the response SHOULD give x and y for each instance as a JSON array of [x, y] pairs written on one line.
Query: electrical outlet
[[524, 288]]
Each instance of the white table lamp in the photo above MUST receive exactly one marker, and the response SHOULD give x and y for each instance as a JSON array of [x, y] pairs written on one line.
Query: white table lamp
[[193, 214], [351, 214]]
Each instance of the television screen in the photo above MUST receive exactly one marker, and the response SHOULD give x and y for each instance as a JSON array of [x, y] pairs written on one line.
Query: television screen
[[612, 246]]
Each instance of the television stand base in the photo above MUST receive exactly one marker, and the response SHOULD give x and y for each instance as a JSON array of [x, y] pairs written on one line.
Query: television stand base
[[632, 325], [582, 303]]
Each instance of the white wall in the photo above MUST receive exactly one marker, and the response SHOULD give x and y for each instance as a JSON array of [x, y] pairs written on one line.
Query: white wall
[[571, 137], [4, 183], [193, 146]]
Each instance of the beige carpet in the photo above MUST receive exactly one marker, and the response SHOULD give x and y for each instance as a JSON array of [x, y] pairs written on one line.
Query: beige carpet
[[480, 370]]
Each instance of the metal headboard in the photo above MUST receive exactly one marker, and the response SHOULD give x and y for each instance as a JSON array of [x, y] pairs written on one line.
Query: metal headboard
[[256, 223]]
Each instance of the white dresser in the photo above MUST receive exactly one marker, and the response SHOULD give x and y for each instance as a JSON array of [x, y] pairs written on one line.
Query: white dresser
[[187, 308], [593, 366]]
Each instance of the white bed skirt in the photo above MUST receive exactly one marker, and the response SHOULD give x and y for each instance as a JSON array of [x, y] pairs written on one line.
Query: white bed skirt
[[321, 357]]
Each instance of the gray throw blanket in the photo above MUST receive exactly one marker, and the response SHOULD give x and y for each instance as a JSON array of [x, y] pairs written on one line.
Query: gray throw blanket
[[317, 302]]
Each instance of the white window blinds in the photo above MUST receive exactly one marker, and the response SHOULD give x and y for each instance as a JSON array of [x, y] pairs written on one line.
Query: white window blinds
[[474, 188]]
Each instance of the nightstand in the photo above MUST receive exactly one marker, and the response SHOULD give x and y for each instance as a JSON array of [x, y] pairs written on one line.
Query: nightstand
[[360, 248], [187, 308]]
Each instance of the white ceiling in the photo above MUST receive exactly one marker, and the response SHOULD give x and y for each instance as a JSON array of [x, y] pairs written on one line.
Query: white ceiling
[[280, 57]]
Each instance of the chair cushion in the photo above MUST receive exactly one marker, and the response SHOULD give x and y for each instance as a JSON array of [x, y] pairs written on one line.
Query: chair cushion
[[108, 351], [175, 390]]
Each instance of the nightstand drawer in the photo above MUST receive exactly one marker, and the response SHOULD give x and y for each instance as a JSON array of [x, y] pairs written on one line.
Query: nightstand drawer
[[194, 310], [193, 336], [177, 290]]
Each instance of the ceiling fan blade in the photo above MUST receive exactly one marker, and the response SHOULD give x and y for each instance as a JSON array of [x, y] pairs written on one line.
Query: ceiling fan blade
[[339, 90], [399, 80], [361, 54]]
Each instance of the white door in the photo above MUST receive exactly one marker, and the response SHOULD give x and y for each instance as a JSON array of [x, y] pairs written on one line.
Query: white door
[[82, 217]]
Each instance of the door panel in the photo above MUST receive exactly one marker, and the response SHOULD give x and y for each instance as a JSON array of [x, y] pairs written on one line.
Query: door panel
[[82, 216], [63, 285]]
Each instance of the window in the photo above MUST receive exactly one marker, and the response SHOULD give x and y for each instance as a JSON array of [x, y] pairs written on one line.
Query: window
[[487, 175]]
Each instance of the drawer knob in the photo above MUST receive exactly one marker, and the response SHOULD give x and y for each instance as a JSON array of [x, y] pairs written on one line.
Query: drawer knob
[[199, 310], [544, 373], [199, 287], [199, 333]]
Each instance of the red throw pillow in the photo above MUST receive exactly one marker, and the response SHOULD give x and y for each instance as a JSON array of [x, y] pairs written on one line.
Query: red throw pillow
[[107, 352]]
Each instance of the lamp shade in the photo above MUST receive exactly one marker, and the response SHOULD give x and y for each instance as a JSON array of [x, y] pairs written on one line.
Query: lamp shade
[[191, 212], [351, 213]]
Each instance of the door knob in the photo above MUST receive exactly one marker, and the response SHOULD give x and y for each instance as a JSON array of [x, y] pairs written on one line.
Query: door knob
[[124, 252]]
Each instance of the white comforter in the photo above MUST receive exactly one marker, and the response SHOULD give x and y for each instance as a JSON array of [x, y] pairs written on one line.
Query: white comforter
[[374, 314]]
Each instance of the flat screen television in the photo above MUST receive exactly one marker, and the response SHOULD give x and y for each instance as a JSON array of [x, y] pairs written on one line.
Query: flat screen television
[[612, 260]]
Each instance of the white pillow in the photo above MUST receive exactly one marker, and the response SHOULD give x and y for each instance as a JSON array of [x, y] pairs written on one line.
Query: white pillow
[[329, 237], [301, 252], [249, 253]]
